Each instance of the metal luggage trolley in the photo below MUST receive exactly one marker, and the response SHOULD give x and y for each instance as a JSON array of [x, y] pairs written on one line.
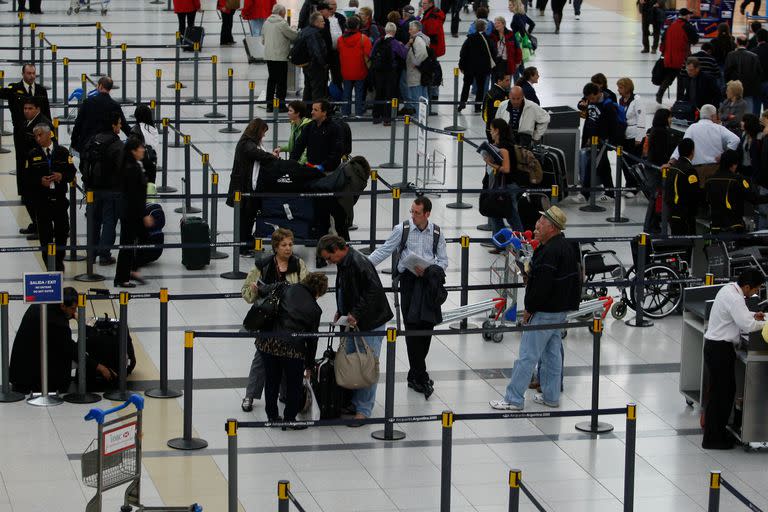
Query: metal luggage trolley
[[114, 458]]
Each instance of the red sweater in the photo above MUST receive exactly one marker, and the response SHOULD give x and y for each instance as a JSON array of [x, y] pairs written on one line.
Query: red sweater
[[432, 26], [353, 49]]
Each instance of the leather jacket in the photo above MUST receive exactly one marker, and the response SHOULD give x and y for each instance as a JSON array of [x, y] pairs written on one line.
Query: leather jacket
[[359, 292]]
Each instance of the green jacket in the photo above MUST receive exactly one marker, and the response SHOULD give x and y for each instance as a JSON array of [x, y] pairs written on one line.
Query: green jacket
[[294, 136]]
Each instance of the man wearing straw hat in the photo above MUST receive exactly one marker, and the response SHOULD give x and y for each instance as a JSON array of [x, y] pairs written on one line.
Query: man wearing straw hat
[[553, 289]]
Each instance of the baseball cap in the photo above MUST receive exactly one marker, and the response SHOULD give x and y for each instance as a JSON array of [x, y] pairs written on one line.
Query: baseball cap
[[409, 9]]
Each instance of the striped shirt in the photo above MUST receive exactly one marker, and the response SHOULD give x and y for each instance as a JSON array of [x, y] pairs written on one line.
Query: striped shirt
[[419, 243]]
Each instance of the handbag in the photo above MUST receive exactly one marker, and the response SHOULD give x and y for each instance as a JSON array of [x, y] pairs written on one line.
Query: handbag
[[657, 73], [488, 49], [357, 369], [264, 310], [496, 202]]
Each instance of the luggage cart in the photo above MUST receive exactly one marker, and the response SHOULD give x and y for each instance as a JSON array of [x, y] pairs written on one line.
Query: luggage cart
[[76, 5], [114, 458]]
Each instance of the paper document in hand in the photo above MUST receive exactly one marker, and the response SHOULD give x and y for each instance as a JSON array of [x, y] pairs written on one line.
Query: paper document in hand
[[412, 261]]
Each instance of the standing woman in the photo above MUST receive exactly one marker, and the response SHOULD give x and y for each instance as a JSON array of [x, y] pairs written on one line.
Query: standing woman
[[477, 59], [146, 132], [506, 174], [297, 117], [722, 44], [509, 57], [658, 147], [249, 155], [750, 148], [278, 36], [530, 77], [186, 10], [227, 8], [282, 266], [134, 192], [635, 115], [256, 12]]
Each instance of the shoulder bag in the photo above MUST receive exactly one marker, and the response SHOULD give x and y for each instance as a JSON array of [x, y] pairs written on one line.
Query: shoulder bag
[[496, 202], [264, 310], [357, 369]]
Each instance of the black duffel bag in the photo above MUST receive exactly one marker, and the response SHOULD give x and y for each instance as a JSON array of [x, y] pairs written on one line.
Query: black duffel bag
[[496, 202], [657, 73]]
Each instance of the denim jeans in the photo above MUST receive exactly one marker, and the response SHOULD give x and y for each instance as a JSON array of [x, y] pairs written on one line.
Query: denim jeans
[[514, 220], [106, 212], [414, 92], [535, 346], [365, 398], [359, 87], [256, 25]]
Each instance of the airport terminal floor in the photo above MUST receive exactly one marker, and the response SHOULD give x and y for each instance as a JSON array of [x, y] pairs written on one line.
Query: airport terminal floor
[[338, 468]]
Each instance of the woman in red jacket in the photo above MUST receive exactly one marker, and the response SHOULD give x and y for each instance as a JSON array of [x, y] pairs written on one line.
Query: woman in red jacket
[[256, 11], [227, 15], [354, 49], [186, 11], [509, 57]]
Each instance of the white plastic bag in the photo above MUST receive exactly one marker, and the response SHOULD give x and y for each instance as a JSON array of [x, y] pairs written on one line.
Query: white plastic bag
[[310, 409]]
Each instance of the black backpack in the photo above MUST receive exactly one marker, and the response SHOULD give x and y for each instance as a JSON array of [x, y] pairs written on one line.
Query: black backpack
[[431, 73], [381, 57], [92, 158], [299, 54], [404, 242], [346, 140]]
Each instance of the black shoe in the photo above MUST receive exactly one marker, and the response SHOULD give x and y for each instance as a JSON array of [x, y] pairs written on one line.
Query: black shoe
[[645, 50], [718, 445], [247, 405], [428, 389], [125, 285], [462, 106], [376, 120], [28, 230], [106, 260], [416, 386]]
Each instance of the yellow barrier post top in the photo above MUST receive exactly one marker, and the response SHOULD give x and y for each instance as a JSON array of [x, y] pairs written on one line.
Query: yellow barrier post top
[[55, 122], [163, 294], [215, 178], [283, 487], [214, 59], [555, 190], [618, 150], [32, 26], [123, 46], [189, 339], [54, 48], [230, 72], [21, 16], [152, 104], [124, 298], [447, 419], [395, 193], [98, 25], [81, 300], [407, 119], [196, 46], [374, 175], [89, 196], [258, 245], [275, 102], [178, 35], [158, 73], [631, 412], [177, 86], [664, 171], [52, 249], [391, 334], [83, 77], [205, 158], [594, 140], [41, 36], [232, 427], [237, 196], [643, 239], [714, 480], [138, 60], [464, 241], [289, 13], [597, 324], [514, 478], [109, 35], [4, 298], [65, 61], [2, 73], [165, 122], [455, 71], [187, 140], [394, 103], [251, 85], [459, 137]]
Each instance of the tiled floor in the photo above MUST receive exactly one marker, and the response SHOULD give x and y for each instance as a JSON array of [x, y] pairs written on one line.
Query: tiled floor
[[336, 468]]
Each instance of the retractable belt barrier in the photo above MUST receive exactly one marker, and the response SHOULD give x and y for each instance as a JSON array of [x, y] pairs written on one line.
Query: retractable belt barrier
[[716, 480]]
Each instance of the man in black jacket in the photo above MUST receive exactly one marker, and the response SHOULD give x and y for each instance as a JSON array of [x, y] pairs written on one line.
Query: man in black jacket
[[700, 88], [95, 116], [498, 92], [48, 172], [741, 64], [682, 191], [553, 289], [652, 15], [761, 50], [476, 60], [361, 299], [24, 144], [316, 70]]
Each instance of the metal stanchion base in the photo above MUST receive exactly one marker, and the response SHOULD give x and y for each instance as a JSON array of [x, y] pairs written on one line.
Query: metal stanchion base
[[11, 396], [390, 165], [74, 257], [194, 443], [381, 435], [229, 130], [117, 396], [233, 275], [456, 326], [159, 393], [620, 220], [593, 209], [166, 190], [4, 150], [633, 322], [189, 209], [193, 101], [214, 115], [454, 128], [45, 401], [218, 255], [459, 206], [484, 227], [82, 398], [173, 86], [89, 278], [600, 428]]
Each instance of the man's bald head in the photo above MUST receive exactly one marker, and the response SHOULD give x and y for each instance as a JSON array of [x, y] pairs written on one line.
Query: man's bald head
[[516, 96]]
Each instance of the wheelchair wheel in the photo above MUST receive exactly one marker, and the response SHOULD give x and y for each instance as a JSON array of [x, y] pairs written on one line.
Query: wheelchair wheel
[[619, 310], [660, 299], [630, 276]]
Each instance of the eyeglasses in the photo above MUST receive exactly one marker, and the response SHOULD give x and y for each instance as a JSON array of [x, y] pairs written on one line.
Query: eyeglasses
[[415, 212]]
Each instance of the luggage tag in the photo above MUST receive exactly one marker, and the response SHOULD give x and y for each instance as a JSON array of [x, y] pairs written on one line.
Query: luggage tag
[[288, 212]]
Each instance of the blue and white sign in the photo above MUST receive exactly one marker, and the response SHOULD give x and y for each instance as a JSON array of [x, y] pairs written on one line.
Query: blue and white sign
[[43, 288]]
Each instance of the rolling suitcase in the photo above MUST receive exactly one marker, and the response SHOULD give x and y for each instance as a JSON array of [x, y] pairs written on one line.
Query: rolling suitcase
[[254, 48], [194, 34], [554, 173], [330, 396], [194, 230]]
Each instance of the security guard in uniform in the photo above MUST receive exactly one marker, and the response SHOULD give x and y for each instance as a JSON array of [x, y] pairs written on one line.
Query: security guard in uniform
[[32, 117], [498, 92], [681, 191], [49, 169], [726, 191]]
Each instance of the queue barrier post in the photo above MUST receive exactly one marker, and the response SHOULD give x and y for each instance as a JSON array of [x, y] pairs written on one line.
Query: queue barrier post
[[464, 294], [205, 160], [664, 208], [275, 124], [214, 113], [45, 398], [445, 462], [714, 492], [593, 426], [617, 197], [235, 273], [177, 115], [164, 188], [459, 204], [122, 394], [50, 261], [195, 73], [32, 42], [593, 152], [514, 490], [177, 59], [629, 458], [124, 70], [41, 58], [187, 208], [138, 61], [215, 253], [374, 207], [163, 391], [230, 93], [98, 50], [54, 73], [168, 5], [2, 117], [55, 122], [21, 36], [251, 88], [84, 86], [288, 17], [108, 37], [73, 256], [389, 433], [455, 127], [187, 442], [283, 502], [90, 230], [391, 163], [158, 94], [65, 85], [232, 465], [6, 394], [643, 241], [81, 396]]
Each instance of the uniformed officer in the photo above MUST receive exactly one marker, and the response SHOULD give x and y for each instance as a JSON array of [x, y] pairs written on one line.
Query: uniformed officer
[[493, 98], [728, 318], [49, 170], [726, 192], [681, 191], [32, 116]]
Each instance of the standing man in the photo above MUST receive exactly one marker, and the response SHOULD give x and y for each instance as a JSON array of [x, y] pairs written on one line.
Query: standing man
[[95, 115], [700, 88], [15, 94], [761, 50], [432, 20], [602, 121], [681, 191], [676, 47], [278, 36], [361, 298], [527, 121], [421, 284], [33, 117], [493, 98], [313, 49], [48, 173], [652, 16], [741, 64], [727, 320], [553, 289]]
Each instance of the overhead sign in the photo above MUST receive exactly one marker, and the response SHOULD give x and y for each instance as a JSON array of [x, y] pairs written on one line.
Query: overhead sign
[[120, 439], [43, 287]]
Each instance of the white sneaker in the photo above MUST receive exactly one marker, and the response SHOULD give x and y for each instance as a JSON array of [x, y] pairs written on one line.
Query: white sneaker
[[604, 198], [539, 399], [504, 406]]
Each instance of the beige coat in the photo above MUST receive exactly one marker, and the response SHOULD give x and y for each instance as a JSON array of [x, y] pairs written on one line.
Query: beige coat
[[277, 36]]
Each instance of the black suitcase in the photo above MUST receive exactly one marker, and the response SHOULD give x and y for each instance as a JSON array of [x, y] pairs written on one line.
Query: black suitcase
[[265, 226], [194, 230], [288, 209], [330, 397], [194, 34], [684, 111], [554, 172]]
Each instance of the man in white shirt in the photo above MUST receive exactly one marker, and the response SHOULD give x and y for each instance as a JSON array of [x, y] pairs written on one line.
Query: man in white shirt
[[711, 139], [421, 259], [727, 320]]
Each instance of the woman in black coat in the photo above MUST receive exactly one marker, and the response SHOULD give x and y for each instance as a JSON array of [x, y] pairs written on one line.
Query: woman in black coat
[[293, 357], [660, 143], [249, 156], [530, 77], [132, 218], [476, 60]]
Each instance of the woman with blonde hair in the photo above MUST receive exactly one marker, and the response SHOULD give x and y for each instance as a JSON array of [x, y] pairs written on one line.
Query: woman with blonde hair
[[733, 108], [632, 106]]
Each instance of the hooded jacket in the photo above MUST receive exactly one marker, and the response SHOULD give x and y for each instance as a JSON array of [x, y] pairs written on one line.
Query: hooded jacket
[[432, 22], [417, 52], [277, 36], [354, 49], [676, 43]]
